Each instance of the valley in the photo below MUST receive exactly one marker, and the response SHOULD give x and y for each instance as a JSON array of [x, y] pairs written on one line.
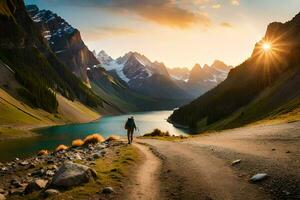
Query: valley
[[78, 78]]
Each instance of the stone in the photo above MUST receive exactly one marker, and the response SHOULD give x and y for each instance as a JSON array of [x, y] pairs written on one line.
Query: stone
[[15, 183], [235, 162], [51, 192], [2, 197], [96, 156], [258, 177], [287, 152], [72, 174], [24, 163], [108, 190], [2, 191], [36, 185], [50, 173]]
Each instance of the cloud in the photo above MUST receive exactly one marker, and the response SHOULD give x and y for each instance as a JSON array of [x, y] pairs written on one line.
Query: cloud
[[216, 6], [226, 25], [164, 12], [235, 2], [102, 32]]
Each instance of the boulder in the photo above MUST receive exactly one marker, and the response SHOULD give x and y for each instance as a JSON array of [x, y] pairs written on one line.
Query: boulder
[[2, 197], [36, 185], [71, 174], [51, 192]]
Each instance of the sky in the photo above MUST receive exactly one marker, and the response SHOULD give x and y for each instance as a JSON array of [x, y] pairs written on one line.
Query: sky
[[179, 33]]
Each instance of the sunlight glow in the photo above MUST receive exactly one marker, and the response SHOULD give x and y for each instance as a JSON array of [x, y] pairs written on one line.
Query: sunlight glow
[[266, 46]]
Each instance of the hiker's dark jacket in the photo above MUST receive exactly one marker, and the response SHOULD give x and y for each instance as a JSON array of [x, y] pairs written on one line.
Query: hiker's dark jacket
[[130, 124]]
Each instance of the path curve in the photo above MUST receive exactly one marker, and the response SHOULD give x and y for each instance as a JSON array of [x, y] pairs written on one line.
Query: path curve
[[146, 181]]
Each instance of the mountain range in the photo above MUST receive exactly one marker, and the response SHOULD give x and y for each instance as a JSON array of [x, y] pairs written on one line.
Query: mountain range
[[264, 86]]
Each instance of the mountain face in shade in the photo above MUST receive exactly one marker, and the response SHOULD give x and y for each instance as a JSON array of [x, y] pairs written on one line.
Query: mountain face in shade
[[36, 68], [143, 76], [266, 84], [64, 40], [199, 80]]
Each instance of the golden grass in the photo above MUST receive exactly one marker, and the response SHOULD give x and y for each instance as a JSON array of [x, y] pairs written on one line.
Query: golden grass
[[43, 152], [77, 143], [93, 139], [61, 147], [113, 138]]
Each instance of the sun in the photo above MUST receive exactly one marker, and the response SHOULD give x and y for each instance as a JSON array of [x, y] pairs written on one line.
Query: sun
[[266, 46]]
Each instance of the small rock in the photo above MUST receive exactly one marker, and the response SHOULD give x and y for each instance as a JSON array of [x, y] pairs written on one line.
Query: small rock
[[287, 152], [258, 177], [17, 159], [51, 192], [273, 149], [24, 163], [15, 183], [4, 169], [236, 162], [2, 197], [96, 156], [2, 191], [36, 185], [108, 190], [50, 173]]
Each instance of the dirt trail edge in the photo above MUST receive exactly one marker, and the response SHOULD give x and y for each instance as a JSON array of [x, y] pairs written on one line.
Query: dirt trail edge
[[146, 184]]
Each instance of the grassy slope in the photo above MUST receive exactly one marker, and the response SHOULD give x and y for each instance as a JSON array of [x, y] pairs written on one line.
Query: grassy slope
[[112, 170], [273, 105], [16, 117]]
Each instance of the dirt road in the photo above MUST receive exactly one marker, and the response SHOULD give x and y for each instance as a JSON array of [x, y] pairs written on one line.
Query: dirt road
[[200, 167]]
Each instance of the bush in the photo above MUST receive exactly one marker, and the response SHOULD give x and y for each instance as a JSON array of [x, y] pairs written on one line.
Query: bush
[[43, 152], [157, 132], [93, 139], [61, 148], [77, 143], [112, 138]]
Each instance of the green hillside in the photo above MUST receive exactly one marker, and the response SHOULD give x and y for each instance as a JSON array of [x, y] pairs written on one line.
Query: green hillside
[[265, 85]]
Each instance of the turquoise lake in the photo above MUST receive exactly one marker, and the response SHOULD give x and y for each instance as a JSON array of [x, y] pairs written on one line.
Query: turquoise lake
[[50, 137]]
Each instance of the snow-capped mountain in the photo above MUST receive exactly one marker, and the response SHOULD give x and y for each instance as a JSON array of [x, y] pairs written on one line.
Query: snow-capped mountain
[[142, 75], [200, 79], [64, 40]]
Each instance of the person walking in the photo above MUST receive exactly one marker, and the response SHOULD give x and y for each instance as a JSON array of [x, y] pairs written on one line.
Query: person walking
[[130, 127]]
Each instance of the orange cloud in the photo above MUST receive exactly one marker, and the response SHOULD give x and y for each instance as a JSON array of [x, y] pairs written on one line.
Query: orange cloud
[[235, 2], [226, 25], [102, 32]]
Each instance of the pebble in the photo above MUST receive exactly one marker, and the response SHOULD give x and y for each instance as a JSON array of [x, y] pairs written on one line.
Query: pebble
[[235, 162], [108, 190], [258, 177], [51, 192]]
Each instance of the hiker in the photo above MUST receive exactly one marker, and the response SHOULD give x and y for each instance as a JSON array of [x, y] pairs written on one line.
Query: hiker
[[130, 126]]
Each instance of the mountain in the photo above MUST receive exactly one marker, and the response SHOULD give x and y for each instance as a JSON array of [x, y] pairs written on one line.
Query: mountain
[[264, 86], [179, 73], [199, 80], [43, 80], [64, 40], [143, 76]]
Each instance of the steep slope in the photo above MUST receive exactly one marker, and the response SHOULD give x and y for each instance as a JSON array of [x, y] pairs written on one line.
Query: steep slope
[[265, 85], [64, 40], [37, 70], [143, 76]]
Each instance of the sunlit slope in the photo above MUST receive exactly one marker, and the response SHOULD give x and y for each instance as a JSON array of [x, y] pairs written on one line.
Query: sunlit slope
[[265, 85]]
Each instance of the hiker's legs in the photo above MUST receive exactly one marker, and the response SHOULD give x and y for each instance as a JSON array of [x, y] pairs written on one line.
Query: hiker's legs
[[128, 135], [131, 135]]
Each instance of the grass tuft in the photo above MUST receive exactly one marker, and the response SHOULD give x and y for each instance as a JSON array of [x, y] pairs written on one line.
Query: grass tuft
[[93, 139], [61, 148], [112, 138], [77, 143], [43, 152], [157, 132]]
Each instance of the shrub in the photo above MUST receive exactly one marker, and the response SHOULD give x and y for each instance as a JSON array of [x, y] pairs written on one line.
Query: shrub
[[93, 139], [157, 132], [61, 147], [77, 143], [112, 138], [43, 152]]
